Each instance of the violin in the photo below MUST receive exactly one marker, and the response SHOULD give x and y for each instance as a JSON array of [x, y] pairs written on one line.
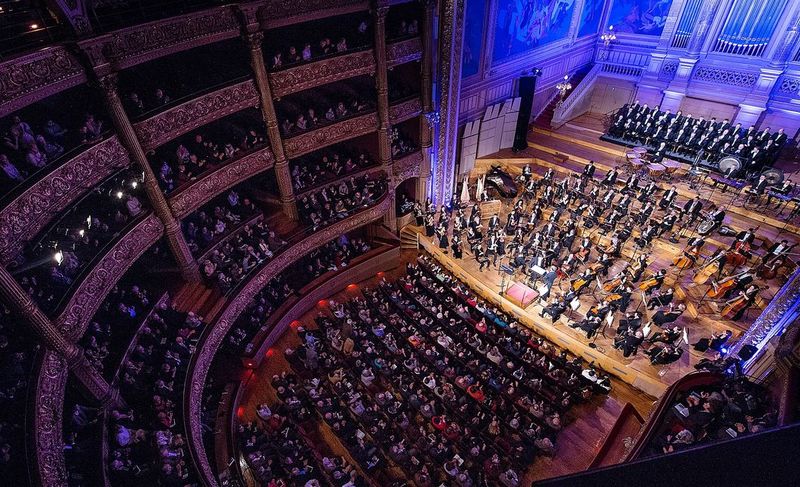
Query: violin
[[735, 306], [612, 298]]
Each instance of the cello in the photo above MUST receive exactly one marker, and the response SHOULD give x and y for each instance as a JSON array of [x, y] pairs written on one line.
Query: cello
[[649, 284], [687, 259], [614, 283], [721, 288], [735, 306]]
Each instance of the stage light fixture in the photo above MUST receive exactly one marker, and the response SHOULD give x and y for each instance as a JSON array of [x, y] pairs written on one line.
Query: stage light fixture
[[58, 257]]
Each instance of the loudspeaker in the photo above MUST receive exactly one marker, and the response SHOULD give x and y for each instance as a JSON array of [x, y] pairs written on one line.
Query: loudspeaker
[[747, 352], [527, 87]]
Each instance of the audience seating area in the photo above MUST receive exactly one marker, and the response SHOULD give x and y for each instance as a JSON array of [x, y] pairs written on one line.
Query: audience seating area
[[338, 201], [332, 36], [146, 440], [733, 408], [328, 165], [193, 155], [325, 105], [51, 264], [420, 374], [45, 134]]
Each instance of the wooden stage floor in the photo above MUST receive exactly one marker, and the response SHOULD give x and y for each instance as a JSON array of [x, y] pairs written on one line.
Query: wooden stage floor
[[580, 144]]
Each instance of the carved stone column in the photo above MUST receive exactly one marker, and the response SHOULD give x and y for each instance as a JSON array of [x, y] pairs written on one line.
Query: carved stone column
[[676, 91], [451, 43], [90, 379], [127, 136], [379, 11], [426, 130], [282, 172]]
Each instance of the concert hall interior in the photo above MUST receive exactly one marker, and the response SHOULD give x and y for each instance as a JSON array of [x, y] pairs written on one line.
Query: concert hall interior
[[362, 243]]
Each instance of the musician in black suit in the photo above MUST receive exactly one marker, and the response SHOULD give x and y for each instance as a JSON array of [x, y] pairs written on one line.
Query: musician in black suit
[[610, 178], [776, 250], [760, 185], [692, 208], [745, 237], [664, 355], [548, 279], [588, 170], [668, 198]]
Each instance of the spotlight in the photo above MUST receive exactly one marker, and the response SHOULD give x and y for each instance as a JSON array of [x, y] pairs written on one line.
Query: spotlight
[[134, 184], [34, 26], [119, 194], [81, 232], [58, 257]]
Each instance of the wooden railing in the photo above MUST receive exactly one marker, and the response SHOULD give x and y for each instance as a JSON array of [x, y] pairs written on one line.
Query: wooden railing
[[612, 439], [667, 401]]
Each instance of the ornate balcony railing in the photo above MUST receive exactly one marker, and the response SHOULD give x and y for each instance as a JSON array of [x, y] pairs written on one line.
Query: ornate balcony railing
[[46, 422], [404, 51], [30, 78], [213, 335], [25, 216], [219, 180], [104, 275], [404, 110], [322, 72], [330, 134], [407, 167], [186, 117], [134, 45], [279, 13]]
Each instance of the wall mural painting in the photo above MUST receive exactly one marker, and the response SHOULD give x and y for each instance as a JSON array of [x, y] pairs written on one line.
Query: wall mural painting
[[522, 25], [473, 37], [590, 17], [639, 16]]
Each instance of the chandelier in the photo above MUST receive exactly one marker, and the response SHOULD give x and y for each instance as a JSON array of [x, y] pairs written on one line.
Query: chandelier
[[608, 37], [563, 87]]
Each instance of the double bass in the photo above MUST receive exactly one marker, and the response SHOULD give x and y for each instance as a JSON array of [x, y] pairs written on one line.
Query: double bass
[[707, 271]]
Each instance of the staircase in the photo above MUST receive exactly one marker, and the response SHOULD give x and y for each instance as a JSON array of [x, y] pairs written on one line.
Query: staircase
[[571, 107], [199, 299], [545, 119], [409, 238]]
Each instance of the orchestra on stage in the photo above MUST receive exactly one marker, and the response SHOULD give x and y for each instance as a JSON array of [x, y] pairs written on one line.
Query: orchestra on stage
[[590, 239]]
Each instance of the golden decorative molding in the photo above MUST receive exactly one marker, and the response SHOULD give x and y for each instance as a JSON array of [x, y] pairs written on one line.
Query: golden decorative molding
[[404, 51], [330, 134], [321, 72]]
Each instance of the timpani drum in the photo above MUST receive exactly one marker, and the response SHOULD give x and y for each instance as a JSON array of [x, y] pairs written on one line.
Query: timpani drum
[[656, 170]]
